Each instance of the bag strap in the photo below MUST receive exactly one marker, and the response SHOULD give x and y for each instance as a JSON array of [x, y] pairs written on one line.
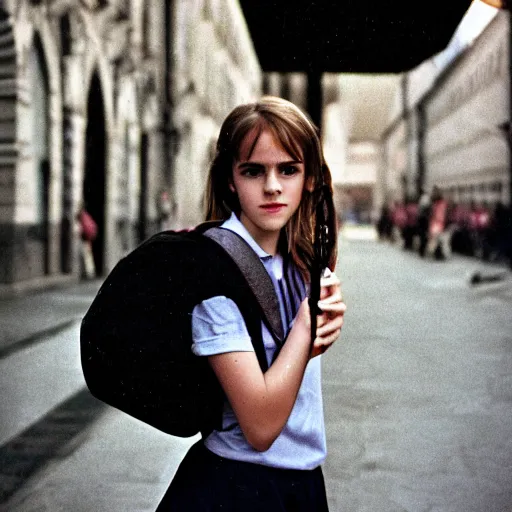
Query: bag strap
[[256, 276]]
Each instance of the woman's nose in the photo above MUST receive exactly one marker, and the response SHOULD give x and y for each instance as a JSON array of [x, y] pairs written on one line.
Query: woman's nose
[[272, 183]]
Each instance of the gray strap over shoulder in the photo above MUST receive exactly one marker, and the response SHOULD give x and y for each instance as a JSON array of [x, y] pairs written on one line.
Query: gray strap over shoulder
[[255, 274]]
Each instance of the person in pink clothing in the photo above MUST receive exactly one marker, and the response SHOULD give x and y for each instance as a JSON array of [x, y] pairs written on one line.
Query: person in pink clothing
[[437, 224], [88, 233]]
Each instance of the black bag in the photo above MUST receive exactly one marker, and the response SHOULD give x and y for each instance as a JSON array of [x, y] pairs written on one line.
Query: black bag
[[136, 337]]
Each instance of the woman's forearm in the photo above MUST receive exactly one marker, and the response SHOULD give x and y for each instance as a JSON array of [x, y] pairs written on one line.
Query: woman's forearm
[[263, 402], [282, 382]]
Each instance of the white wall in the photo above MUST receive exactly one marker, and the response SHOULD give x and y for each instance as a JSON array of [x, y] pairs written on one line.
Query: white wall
[[216, 68], [335, 135], [464, 145]]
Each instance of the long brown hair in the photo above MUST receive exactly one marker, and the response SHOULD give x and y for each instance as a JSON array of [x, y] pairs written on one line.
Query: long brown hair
[[299, 138]]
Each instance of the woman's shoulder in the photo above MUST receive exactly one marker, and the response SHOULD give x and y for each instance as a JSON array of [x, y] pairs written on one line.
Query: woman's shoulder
[[218, 327], [218, 309]]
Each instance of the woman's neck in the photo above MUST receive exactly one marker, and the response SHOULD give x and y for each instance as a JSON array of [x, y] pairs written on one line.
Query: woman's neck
[[267, 240], [269, 245]]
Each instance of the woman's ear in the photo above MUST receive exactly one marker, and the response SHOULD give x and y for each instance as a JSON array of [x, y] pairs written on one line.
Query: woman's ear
[[232, 187]]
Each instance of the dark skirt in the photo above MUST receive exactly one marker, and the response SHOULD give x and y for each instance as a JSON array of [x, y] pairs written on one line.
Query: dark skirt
[[206, 482]]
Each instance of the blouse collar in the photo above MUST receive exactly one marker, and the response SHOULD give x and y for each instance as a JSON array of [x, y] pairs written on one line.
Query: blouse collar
[[234, 224]]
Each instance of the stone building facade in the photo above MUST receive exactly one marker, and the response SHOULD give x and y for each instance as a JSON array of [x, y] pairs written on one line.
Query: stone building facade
[[400, 170], [76, 107], [466, 114], [111, 103], [452, 129], [215, 68]]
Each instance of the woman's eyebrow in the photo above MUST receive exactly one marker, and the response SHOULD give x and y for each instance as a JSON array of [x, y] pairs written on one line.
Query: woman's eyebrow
[[258, 164], [291, 162], [242, 165]]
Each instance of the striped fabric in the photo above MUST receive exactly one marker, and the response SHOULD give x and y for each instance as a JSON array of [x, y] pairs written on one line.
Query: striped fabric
[[291, 291]]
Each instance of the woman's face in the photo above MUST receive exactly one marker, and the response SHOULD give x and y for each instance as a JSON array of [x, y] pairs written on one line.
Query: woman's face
[[269, 184]]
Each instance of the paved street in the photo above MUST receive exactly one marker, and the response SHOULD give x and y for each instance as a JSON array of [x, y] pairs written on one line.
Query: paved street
[[39, 353], [419, 394], [418, 399]]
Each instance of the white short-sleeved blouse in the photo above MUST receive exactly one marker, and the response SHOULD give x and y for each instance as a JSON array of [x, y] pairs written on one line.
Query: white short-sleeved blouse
[[218, 327]]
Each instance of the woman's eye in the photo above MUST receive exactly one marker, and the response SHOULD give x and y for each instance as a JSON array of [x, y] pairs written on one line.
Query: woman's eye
[[289, 170], [252, 172]]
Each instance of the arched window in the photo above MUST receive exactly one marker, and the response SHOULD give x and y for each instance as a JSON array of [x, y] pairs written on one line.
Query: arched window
[[94, 171], [36, 190]]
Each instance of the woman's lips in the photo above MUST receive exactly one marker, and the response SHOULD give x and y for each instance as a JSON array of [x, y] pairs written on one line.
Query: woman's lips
[[273, 208]]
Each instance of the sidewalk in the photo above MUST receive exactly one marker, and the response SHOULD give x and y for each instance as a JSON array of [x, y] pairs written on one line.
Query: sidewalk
[[26, 318], [358, 232], [39, 370], [53, 434], [118, 464]]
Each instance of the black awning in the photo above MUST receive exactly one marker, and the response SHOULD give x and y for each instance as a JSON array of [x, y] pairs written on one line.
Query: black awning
[[350, 36]]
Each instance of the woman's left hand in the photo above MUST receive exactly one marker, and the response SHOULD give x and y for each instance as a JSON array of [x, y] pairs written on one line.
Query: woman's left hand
[[329, 323]]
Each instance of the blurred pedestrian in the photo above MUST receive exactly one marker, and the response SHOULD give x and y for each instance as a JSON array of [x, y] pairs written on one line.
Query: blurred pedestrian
[[450, 227], [384, 224], [500, 233], [424, 206], [479, 224], [268, 454], [164, 210], [437, 246], [88, 233], [410, 229], [399, 219], [461, 234]]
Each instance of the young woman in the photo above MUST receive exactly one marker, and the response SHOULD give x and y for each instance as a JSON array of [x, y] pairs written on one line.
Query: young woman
[[268, 455]]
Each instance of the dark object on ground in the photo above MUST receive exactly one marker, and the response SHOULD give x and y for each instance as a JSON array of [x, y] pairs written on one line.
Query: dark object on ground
[[480, 278]]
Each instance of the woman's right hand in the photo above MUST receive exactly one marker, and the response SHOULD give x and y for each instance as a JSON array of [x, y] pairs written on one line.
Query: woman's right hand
[[330, 322]]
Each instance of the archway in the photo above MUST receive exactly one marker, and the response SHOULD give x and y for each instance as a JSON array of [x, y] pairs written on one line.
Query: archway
[[94, 172], [39, 143]]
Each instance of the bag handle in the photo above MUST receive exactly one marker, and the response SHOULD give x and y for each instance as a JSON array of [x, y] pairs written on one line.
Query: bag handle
[[256, 276]]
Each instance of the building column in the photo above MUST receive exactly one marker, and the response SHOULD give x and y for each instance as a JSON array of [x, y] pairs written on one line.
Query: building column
[[314, 97]]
